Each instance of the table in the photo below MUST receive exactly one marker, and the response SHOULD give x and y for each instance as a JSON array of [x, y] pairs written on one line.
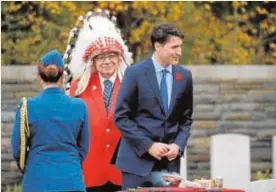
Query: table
[[179, 189]]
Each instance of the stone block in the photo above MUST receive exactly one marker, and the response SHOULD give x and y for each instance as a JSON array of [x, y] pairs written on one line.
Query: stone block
[[200, 143], [203, 165], [261, 116], [8, 81], [234, 97], [205, 98], [198, 133], [245, 131], [267, 132], [241, 86], [20, 73], [270, 109], [36, 87], [9, 166], [5, 144], [221, 108], [261, 154], [11, 176], [192, 165], [269, 85], [195, 151], [204, 124], [16, 87], [259, 144], [9, 101], [7, 95], [257, 125], [204, 108], [13, 167], [7, 116], [5, 134], [5, 107], [260, 96], [234, 92], [228, 126], [6, 127], [246, 106], [235, 116], [6, 157], [10, 182], [262, 139], [260, 166], [21, 94], [206, 116], [199, 165], [262, 125], [206, 88]]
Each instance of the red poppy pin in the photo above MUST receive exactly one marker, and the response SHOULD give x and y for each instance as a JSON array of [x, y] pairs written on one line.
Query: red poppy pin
[[178, 76]]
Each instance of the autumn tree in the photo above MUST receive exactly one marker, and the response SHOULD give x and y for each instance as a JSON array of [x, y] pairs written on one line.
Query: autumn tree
[[29, 29], [215, 32]]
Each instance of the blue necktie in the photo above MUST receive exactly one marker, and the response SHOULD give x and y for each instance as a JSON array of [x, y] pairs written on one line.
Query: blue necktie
[[164, 89], [107, 94]]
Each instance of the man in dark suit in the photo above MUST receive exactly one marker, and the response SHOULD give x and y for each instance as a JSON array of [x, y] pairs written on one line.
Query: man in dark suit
[[153, 111]]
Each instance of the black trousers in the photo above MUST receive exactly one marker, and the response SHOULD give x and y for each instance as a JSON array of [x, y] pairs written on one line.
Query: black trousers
[[108, 187]]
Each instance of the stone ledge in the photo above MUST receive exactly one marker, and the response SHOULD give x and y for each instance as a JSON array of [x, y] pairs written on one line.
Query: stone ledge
[[257, 166], [234, 72], [19, 72], [218, 72]]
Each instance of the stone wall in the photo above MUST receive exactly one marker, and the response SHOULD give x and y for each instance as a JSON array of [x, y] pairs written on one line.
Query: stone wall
[[227, 99]]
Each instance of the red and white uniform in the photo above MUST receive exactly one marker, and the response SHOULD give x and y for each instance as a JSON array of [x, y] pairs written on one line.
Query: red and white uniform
[[104, 135]]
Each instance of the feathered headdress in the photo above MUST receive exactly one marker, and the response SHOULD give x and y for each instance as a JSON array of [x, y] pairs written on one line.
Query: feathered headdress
[[94, 35]]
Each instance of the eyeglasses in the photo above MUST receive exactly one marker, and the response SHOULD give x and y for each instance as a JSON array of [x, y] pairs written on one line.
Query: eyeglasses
[[101, 58]]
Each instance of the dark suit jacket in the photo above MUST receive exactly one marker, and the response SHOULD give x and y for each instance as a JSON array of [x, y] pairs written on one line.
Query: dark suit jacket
[[141, 118]]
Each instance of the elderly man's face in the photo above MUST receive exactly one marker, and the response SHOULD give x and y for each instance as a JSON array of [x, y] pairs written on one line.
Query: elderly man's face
[[107, 64]]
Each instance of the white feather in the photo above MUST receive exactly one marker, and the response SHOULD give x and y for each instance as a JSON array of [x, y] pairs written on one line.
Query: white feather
[[101, 27]]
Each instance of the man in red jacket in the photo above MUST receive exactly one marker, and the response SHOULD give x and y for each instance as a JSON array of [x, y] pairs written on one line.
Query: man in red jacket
[[102, 57]]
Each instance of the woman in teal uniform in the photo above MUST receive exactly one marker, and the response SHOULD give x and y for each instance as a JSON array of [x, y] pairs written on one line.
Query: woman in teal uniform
[[59, 134]]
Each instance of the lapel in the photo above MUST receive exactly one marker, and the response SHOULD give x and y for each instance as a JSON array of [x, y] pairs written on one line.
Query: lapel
[[114, 97], [177, 86], [151, 75], [96, 91]]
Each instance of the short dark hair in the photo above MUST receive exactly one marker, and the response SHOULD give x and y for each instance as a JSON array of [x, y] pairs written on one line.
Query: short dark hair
[[162, 32]]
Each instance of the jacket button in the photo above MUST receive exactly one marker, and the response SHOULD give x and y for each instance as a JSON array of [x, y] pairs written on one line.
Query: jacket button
[[107, 146], [107, 130]]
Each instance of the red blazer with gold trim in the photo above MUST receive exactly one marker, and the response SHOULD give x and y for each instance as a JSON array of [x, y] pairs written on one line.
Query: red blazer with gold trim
[[104, 135]]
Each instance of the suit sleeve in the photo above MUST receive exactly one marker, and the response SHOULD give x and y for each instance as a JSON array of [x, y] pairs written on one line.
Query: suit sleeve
[[124, 114], [15, 139], [186, 120], [84, 135]]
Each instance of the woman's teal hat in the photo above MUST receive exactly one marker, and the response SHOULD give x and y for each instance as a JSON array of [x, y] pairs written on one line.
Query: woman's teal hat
[[52, 58]]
